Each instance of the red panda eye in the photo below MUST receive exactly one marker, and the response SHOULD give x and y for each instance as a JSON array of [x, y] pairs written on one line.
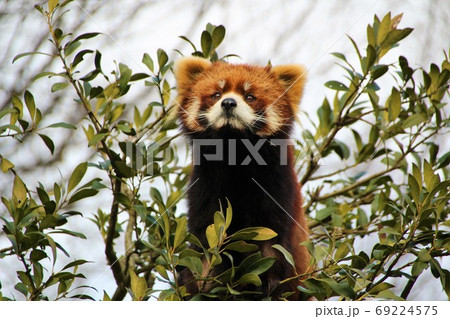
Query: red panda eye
[[250, 97], [216, 95]]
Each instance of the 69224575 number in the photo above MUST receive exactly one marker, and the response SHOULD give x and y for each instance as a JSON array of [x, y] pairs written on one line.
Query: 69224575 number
[[405, 310]]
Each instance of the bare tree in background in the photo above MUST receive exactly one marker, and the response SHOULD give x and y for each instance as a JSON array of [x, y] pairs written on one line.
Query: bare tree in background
[[22, 30]]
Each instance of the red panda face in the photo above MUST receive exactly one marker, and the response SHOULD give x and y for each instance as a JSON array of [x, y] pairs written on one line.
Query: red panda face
[[258, 100]]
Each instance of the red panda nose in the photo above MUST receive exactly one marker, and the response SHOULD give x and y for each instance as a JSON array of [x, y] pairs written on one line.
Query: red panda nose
[[228, 104]]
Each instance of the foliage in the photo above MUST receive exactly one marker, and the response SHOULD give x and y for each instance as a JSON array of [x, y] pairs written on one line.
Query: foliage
[[404, 200]]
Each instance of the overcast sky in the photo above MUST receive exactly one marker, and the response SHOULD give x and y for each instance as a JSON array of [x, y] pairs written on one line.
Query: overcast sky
[[283, 32]]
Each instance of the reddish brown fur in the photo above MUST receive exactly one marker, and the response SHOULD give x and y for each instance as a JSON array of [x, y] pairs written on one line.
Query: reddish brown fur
[[278, 90], [197, 79]]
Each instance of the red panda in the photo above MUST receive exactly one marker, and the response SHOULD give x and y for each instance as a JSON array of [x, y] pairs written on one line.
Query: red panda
[[245, 108]]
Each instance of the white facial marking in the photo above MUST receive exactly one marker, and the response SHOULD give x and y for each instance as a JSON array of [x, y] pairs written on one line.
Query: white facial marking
[[193, 109], [273, 119], [243, 113], [247, 86], [221, 83]]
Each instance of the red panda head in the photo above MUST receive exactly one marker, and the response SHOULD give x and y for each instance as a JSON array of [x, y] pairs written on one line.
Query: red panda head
[[259, 100]]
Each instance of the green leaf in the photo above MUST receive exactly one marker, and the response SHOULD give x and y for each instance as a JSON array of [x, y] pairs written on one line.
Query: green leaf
[[37, 254], [17, 103], [123, 170], [339, 56], [418, 267], [287, 255], [76, 176], [85, 36], [125, 75], [206, 43], [48, 142], [84, 193], [378, 71], [74, 263], [217, 36], [211, 236], [156, 195], [219, 222], [342, 251], [49, 74], [232, 291], [20, 287], [413, 120], [383, 28], [91, 75], [19, 190], [340, 148], [138, 76], [342, 288], [11, 127], [52, 245], [70, 48], [106, 297], [96, 139], [428, 174], [417, 175], [325, 212], [58, 33], [62, 287], [5, 165], [389, 230], [362, 218], [254, 233], [189, 41], [374, 135], [147, 60], [444, 160], [180, 232], [29, 101], [415, 188], [138, 286], [424, 255], [394, 105], [190, 253], [380, 287], [395, 36], [17, 57], [210, 27], [249, 278], [162, 58], [370, 59], [228, 215], [193, 263], [336, 85], [52, 5], [7, 111], [59, 86], [162, 271], [79, 57], [67, 232], [49, 221], [173, 198], [261, 266], [63, 125]]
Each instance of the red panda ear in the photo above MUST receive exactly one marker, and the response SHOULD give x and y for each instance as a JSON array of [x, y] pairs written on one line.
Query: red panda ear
[[293, 79], [187, 71]]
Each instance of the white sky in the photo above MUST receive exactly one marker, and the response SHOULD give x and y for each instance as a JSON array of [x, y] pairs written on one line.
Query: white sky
[[284, 32]]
